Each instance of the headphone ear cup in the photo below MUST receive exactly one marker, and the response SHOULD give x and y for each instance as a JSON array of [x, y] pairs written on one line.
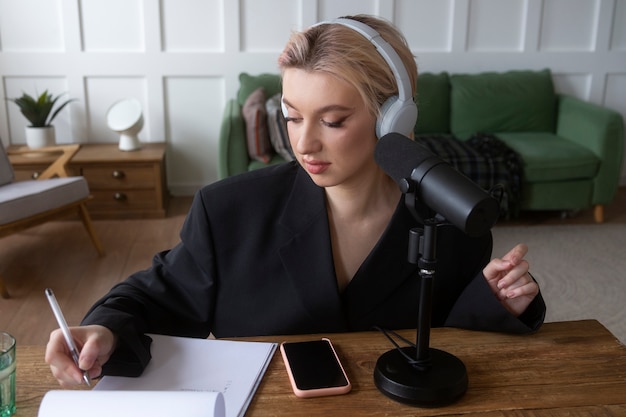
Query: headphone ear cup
[[382, 124], [396, 116], [283, 107]]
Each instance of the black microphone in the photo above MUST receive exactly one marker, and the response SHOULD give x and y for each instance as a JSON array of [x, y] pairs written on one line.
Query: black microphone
[[437, 184]]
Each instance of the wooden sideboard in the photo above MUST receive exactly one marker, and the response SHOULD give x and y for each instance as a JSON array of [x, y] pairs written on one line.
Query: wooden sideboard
[[125, 185]]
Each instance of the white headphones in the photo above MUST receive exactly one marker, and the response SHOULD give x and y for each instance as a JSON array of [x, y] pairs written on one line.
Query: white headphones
[[398, 113]]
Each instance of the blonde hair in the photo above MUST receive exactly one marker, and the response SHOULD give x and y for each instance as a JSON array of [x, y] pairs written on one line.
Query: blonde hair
[[346, 54]]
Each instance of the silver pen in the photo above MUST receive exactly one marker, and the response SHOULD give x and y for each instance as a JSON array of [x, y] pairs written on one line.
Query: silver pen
[[66, 331]]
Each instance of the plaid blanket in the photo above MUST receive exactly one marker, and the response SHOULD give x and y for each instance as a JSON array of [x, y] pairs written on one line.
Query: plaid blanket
[[487, 161]]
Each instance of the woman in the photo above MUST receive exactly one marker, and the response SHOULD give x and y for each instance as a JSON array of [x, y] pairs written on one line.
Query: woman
[[316, 245]]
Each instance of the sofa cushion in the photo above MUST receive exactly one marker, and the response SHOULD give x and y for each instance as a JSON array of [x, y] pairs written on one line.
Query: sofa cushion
[[513, 101], [277, 128], [433, 103], [249, 83], [255, 117], [26, 198], [548, 157]]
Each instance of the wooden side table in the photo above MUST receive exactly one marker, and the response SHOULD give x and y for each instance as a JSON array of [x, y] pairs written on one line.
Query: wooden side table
[[125, 185]]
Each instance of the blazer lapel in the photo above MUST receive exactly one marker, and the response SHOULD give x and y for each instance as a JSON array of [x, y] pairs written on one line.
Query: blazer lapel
[[385, 269], [307, 254]]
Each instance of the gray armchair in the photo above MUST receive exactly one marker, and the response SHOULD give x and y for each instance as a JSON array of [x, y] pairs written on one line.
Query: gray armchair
[[54, 194]]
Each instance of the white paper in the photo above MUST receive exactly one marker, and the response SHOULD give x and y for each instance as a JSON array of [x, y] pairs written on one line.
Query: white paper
[[67, 403], [232, 368]]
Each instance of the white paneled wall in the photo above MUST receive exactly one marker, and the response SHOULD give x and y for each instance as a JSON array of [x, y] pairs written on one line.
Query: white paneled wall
[[182, 58]]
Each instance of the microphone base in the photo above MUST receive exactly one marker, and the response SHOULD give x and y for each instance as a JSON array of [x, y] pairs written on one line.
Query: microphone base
[[443, 383]]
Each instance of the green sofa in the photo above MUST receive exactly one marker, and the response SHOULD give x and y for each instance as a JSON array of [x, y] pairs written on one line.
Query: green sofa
[[571, 150]]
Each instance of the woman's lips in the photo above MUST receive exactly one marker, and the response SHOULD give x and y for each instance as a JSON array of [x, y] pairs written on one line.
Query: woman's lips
[[316, 167]]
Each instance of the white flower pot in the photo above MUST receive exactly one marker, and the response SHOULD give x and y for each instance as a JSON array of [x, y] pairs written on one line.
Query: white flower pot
[[39, 137]]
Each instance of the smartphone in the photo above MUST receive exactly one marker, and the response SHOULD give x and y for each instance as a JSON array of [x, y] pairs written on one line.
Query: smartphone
[[314, 368]]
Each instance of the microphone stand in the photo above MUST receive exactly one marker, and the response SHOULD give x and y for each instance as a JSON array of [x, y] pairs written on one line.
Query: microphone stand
[[421, 375]]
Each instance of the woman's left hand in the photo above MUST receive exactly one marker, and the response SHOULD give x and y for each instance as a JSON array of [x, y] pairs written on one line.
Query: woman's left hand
[[510, 281]]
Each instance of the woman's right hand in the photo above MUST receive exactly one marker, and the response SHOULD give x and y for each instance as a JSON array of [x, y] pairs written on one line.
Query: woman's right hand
[[95, 344]]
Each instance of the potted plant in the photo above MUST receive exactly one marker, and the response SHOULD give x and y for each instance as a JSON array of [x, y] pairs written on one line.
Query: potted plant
[[38, 111]]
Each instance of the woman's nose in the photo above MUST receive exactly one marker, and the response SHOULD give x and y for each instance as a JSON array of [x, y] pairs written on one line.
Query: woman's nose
[[307, 139]]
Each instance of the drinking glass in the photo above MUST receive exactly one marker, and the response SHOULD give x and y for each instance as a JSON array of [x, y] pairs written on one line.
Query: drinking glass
[[7, 375]]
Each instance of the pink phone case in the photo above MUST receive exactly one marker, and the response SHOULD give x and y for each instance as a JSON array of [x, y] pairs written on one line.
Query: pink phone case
[[317, 392]]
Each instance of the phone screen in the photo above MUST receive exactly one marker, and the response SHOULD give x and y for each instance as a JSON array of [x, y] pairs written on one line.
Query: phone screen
[[314, 365]]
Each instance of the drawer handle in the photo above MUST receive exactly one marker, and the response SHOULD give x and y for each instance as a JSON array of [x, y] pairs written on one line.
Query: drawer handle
[[35, 175], [118, 174], [119, 197]]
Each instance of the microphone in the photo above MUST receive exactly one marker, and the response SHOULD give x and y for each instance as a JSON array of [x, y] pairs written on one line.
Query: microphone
[[437, 184]]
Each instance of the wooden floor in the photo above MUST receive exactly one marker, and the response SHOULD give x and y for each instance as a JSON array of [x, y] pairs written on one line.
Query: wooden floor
[[59, 255]]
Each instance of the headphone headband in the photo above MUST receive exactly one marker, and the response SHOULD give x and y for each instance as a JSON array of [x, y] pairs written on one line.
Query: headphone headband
[[385, 50]]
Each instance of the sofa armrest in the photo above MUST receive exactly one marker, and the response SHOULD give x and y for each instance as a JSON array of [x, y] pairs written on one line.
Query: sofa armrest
[[233, 152], [601, 130]]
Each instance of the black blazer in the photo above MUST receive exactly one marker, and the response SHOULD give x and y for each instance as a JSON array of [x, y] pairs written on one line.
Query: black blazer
[[255, 258]]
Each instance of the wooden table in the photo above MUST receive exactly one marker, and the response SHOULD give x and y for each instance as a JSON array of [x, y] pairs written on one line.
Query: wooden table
[[566, 369]]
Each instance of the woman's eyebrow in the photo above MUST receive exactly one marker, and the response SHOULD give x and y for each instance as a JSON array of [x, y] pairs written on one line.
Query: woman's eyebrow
[[325, 109], [334, 107]]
